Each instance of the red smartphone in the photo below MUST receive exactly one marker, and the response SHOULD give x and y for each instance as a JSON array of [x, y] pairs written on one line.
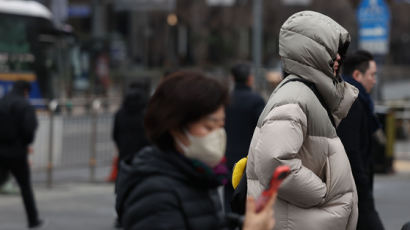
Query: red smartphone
[[280, 173]]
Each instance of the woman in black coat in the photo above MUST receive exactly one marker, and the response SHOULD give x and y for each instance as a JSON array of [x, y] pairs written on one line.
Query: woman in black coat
[[172, 184], [128, 130]]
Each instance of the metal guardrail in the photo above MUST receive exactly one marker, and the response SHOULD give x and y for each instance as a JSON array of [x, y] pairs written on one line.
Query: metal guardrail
[[397, 129], [74, 135], [77, 133], [401, 123]]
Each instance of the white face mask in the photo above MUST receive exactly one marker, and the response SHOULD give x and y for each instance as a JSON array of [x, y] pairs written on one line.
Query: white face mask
[[209, 149]]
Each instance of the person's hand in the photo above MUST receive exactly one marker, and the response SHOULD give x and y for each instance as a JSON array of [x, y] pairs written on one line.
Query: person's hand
[[263, 220]]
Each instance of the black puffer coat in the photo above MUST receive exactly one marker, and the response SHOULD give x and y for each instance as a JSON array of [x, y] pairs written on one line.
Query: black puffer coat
[[164, 190], [128, 130]]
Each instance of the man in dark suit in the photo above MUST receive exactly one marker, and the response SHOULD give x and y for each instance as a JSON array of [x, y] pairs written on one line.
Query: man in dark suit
[[242, 115], [356, 132]]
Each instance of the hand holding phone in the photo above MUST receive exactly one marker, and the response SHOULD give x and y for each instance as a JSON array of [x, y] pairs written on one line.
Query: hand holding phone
[[280, 173]]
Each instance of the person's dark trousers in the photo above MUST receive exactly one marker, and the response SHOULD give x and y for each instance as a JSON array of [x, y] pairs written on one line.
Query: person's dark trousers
[[369, 221], [369, 218], [19, 168]]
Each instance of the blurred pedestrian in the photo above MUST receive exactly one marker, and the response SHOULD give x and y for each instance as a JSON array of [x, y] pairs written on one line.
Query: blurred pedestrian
[[242, 114], [172, 184], [356, 131], [18, 126], [128, 131], [297, 128]]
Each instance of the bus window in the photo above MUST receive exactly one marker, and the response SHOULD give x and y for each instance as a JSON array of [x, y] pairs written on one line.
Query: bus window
[[28, 48]]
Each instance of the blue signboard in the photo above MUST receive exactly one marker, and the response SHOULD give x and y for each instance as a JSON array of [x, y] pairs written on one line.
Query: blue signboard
[[79, 11], [374, 26], [6, 86]]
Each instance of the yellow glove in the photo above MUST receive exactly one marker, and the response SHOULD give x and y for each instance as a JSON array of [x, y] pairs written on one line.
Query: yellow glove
[[238, 170]]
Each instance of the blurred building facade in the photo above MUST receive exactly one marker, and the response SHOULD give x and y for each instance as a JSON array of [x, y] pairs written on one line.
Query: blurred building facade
[[167, 34]]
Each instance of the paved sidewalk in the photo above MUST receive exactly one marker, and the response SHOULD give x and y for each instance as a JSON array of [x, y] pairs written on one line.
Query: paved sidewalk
[[89, 206], [392, 195], [66, 206]]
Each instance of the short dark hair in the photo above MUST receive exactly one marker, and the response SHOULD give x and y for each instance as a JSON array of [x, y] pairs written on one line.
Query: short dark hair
[[182, 98], [358, 60], [241, 72]]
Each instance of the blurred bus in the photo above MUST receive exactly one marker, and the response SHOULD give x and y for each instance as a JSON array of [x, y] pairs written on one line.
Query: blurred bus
[[28, 48]]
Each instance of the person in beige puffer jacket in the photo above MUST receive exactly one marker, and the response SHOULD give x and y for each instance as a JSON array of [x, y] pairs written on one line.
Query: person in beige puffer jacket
[[294, 129]]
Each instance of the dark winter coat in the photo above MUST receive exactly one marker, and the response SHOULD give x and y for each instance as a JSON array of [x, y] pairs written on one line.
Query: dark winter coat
[[165, 190], [128, 131], [242, 115], [356, 138], [24, 121], [356, 132]]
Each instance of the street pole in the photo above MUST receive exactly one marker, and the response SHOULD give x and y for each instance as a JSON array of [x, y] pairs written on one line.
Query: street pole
[[98, 32], [95, 105], [98, 19], [50, 150], [52, 106], [257, 40]]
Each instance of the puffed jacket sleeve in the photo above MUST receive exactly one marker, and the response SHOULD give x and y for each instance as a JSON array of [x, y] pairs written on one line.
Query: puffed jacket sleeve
[[282, 135], [153, 207]]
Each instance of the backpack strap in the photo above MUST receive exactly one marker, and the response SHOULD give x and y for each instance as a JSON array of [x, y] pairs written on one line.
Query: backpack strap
[[312, 87]]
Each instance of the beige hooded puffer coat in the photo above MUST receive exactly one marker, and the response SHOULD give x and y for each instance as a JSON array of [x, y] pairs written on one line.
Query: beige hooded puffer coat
[[294, 129]]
